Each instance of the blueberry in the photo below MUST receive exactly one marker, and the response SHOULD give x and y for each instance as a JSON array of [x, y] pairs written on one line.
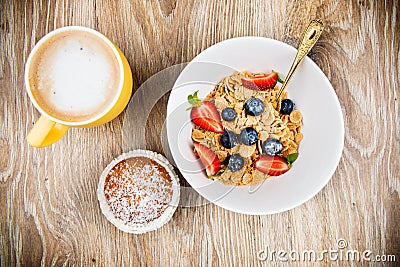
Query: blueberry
[[272, 147], [228, 114], [286, 106], [229, 139], [235, 162], [248, 136], [254, 106]]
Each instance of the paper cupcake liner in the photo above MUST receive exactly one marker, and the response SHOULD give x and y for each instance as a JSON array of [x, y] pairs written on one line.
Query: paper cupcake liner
[[141, 228]]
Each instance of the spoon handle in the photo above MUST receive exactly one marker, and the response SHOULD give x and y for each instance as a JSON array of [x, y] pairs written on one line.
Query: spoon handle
[[310, 37]]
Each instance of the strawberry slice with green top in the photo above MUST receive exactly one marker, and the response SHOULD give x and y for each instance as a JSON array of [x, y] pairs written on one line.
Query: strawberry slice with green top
[[205, 114], [271, 165], [208, 158], [261, 82]]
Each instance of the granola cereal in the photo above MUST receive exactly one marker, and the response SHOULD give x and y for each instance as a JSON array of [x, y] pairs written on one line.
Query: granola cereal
[[271, 124]]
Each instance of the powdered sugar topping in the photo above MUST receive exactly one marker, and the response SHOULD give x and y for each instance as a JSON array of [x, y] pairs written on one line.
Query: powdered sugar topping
[[138, 190]]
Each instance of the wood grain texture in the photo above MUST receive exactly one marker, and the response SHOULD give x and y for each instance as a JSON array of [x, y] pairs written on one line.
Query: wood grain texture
[[49, 212]]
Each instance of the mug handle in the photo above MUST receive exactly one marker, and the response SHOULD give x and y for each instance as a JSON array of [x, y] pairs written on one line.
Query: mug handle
[[46, 132]]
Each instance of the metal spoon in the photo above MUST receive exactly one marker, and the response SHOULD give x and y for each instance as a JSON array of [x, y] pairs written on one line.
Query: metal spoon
[[310, 37]]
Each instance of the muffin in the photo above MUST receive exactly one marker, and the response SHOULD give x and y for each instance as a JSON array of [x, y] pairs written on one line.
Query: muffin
[[138, 191]]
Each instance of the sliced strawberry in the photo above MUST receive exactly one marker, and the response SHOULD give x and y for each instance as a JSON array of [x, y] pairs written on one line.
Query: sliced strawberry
[[270, 165], [205, 114], [208, 158], [262, 82]]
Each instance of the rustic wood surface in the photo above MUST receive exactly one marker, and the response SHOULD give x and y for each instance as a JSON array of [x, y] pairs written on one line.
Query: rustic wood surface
[[49, 212]]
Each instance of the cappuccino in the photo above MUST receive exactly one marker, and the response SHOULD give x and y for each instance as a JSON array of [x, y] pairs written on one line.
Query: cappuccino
[[75, 76]]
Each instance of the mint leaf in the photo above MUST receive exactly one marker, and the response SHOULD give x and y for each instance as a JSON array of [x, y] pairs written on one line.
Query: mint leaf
[[292, 157], [279, 77], [194, 100], [280, 80]]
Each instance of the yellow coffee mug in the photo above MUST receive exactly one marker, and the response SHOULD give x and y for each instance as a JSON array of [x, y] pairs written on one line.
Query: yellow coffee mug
[[49, 129]]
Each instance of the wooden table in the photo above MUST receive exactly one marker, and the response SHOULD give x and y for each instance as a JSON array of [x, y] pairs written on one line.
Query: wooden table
[[49, 211]]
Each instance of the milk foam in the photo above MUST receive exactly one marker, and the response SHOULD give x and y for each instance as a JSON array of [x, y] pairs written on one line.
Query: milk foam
[[76, 77]]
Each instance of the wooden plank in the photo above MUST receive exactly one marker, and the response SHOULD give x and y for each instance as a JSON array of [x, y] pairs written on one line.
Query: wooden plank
[[49, 212]]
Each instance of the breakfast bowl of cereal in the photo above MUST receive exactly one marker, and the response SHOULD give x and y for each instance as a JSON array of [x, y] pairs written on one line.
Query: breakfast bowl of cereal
[[241, 146]]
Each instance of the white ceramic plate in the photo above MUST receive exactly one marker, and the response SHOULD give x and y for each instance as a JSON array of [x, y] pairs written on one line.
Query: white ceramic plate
[[323, 128]]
